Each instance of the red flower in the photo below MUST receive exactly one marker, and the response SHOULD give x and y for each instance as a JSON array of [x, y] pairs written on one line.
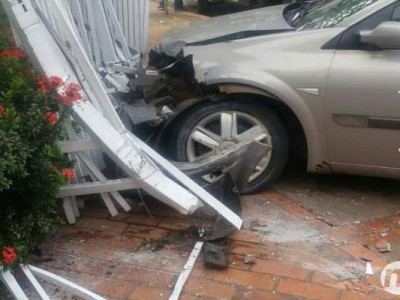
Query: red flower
[[71, 94], [48, 84], [2, 111], [68, 173], [14, 53], [9, 255], [55, 82], [51, 117]]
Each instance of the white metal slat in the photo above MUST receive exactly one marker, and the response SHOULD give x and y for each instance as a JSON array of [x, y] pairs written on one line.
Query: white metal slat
[[112, 21], [141, 17], [40, 4], [97, 174], [135, 23], [78, 17], [85, 16], [83, 159], [133, 17], [65, 284], [92, 33], [118, 33], [96, 187], [146, 25], [128, 19], [12, 285], [69, 212], [35, 283], [103, 33]]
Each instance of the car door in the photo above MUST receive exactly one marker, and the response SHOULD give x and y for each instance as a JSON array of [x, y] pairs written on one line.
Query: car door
[[363, 103]]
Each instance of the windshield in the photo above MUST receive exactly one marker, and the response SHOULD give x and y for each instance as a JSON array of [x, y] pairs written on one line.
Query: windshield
[[326, 13]]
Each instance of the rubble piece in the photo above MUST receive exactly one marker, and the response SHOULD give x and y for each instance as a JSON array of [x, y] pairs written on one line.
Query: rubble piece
[[249, 260], [356, 222], [215, 254], [368, 269], [187, 269], [365, 259], [383, 246]]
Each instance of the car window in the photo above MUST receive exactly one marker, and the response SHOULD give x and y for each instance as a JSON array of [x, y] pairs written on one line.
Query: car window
[[350, 39], [328, 13], [396, 14]]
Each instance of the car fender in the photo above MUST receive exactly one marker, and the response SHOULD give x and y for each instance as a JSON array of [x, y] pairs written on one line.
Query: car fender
[[269, 85]]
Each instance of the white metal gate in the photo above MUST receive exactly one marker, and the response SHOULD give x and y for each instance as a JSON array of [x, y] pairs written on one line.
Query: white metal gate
[[133, 16]]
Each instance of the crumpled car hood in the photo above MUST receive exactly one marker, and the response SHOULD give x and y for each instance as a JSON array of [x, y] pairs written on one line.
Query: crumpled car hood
[[232, 26]]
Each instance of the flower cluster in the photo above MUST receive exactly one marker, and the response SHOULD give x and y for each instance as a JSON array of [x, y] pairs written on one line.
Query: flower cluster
[[68, 173], [47, 85], [71, 94], [32, 165], [8, 255], [51, 117], [13, 53]]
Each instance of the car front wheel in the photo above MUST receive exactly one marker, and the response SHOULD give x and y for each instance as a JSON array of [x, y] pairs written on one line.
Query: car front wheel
[[209, 128]]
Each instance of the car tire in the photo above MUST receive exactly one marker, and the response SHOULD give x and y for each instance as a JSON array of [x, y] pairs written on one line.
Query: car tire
[[181, 131]]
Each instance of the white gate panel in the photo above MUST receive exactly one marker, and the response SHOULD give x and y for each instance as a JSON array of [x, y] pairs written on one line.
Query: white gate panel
[[133, 16]]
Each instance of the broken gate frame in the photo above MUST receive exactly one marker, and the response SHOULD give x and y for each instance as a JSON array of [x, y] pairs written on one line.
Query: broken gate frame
[[97, 115]]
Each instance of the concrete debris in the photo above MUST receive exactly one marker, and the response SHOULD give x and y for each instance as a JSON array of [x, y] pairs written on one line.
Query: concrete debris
[[215, 254], [383, 246], [368, 269], [356, 222], [249, 260]]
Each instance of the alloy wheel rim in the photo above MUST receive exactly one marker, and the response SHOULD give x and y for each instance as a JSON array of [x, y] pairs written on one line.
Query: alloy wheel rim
[[220, 131]]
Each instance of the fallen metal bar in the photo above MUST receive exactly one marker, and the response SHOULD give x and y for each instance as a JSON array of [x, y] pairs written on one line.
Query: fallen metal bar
[[36, 285], [97, 187], [187, 269], [78, 145], [169, 168], [12, 285], [98, 175], [94, 172], [65, 284]]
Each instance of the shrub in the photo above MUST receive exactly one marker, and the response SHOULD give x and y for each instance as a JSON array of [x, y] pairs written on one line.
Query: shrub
[[32, 168]]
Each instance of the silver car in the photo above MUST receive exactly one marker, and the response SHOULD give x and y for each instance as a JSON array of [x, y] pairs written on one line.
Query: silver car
[[319, 80]]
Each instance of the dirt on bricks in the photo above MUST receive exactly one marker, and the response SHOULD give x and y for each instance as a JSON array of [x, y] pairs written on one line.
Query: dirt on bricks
[[115, 256]]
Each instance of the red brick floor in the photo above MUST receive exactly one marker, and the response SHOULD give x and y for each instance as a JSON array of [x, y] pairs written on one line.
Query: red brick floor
[[296, 255]]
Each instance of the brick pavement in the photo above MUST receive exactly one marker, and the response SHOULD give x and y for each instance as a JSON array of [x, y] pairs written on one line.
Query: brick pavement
[[136, 256]]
